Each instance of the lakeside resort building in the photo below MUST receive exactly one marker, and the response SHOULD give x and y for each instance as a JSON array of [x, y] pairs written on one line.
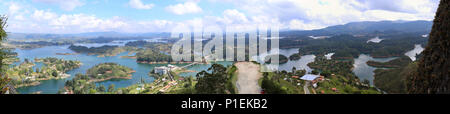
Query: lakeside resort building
[[312, 79], [164, 69]]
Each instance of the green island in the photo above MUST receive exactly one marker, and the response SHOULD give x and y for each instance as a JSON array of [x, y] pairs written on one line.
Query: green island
[[107, 71], [150, 52], [281, 59], [54, 68], [152, 56], [295, 57], [85, 83]]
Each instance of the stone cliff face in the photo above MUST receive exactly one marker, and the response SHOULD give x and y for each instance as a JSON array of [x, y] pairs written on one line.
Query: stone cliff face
[[432, 76]]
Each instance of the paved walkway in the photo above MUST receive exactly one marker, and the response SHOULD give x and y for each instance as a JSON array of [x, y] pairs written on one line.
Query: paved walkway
[[305, 88], [248, 76]]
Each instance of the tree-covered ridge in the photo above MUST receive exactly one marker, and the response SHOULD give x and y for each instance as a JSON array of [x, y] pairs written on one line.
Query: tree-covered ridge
[[433, 72], [275, 83], [108, 71], [54, 68], [216, 82], [366, 28], [339, 78], [351, 46], [396, 63], [394, 80]]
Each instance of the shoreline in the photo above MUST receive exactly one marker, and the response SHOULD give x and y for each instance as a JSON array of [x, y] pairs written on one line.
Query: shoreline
[[38, 81]]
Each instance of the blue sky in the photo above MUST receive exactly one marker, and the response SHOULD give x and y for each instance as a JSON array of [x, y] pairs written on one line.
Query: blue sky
[[137, 16]]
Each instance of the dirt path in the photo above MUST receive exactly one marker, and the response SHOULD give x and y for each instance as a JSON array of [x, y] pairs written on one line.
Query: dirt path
[[248, 76]]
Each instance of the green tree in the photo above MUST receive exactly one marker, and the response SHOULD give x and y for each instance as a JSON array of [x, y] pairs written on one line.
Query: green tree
[[316, 72], [367, 82], [4, 80], [326, 73], [55, 73], [111, 88], [101, 88], [214, 82]]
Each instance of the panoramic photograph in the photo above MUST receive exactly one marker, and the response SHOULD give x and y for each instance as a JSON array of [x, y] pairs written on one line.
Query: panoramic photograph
[[225, 47]]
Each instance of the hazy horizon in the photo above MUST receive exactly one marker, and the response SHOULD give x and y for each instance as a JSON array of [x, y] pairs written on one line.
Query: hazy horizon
[[145, 16]]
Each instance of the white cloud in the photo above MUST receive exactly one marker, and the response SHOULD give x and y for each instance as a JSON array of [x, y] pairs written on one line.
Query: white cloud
[[14, 8], [187, 7], [139, 5], [67, 5], [311, 14], [41, 15], [300, 25], [406, 6], [233, 16], [42, 21], [290, 14]]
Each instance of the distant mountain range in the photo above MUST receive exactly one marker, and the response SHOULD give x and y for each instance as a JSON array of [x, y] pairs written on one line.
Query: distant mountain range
[[354, 28], [369, 27]]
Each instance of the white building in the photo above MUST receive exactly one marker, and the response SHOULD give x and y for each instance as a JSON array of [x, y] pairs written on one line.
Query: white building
[[312, 79], [161, 70]]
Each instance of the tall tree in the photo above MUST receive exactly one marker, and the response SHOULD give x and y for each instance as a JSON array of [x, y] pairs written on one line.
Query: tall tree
[[214, 82], [4, 80], [432, 76]]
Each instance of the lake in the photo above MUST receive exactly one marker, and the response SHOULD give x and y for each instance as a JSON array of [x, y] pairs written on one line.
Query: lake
[[88, 61], [416, 51], [364, 71], [375, 40], [298, 64]]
